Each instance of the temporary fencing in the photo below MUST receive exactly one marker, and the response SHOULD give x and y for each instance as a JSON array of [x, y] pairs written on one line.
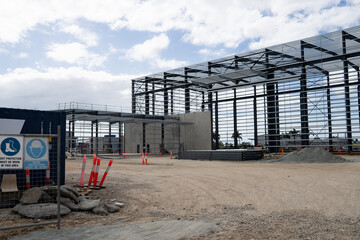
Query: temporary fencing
[[23, 171]]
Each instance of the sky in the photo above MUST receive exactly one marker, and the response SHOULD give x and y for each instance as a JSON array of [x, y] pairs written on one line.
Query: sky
[[88, 51]]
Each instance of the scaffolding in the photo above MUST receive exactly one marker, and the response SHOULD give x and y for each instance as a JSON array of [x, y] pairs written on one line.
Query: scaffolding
[[297, 94]]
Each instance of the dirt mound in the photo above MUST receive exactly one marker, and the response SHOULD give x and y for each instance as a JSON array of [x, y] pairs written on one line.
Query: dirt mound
[[312, 155]]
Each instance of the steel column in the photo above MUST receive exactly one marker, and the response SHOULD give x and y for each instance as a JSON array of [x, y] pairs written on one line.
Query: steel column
[[153, 98], [255, 119], [133, 97], [235, 121], [303, 100], [347, 94], [147, 100], [97, 137], [166, 99], [144, 136], [216, 122], [187, 94], [272, 120], [120, 138], [328, 99]]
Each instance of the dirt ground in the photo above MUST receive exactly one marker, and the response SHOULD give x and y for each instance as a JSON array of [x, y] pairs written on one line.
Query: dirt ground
[[247, 200]]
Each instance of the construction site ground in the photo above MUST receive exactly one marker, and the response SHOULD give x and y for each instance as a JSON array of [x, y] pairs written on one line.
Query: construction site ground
[[246, 200]]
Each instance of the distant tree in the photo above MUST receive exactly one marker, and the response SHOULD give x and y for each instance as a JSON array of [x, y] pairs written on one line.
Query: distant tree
[[285, 135], [237, 135], [294, 133], [215, 137]]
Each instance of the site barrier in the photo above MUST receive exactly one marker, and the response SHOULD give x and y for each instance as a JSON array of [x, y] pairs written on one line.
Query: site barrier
[[25, 164]]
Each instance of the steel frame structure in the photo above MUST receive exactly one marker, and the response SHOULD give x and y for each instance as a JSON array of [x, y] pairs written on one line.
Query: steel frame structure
[[101, 129], [296, 94]]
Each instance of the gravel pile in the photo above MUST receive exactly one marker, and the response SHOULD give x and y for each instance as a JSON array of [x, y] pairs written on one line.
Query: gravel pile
[[312, 155]]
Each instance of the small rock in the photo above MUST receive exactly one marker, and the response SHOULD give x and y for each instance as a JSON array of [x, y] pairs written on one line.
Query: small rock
[[100, 210], [50, 190], [72, 189], [82, 198], [111, 208], [31, 196], [42, 210], [46, 198], [119, 204], [69, 203], [88, 204], [65, 192]]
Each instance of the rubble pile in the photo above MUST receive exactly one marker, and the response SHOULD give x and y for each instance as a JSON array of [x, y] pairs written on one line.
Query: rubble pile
[[41, 202]]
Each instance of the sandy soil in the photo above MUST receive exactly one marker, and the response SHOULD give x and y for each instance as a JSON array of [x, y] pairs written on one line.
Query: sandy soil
[[247, 200]]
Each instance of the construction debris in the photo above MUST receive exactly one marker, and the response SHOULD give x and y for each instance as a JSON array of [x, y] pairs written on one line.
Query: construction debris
[[32, 204]]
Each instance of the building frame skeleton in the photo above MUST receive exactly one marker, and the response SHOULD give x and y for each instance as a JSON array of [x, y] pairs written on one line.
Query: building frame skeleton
[[296, 94]]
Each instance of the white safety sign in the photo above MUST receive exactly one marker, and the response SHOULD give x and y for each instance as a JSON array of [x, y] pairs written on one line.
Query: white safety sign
[[11, 152], [36, 153]]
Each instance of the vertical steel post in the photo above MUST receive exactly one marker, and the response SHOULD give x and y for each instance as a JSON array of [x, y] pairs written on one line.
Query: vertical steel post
[[92, 138], [133, 97], [328, 99], [147, 100], [255, 119], [235, 121], [144, 137], [153, 98], [172, 101], [202, 103], [216, 121], [187, 93], [120, 138], [272, 119], [210, 107], [303, 100], [58, 165], [347, 94], [97, 137], [166, 98]]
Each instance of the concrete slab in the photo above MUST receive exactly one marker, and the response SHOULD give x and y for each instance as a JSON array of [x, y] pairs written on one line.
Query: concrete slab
[[162, 230]]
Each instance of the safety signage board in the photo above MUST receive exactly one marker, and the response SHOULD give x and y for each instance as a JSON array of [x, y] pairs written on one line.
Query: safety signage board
[[11, 152], [36, 153]]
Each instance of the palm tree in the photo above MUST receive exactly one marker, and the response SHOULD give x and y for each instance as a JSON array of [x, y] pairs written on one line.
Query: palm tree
[[294, 133], [215, 137], [237, 135]]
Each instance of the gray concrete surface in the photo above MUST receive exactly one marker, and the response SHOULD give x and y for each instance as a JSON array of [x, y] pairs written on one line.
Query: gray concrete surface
[[162, 230], [196, 136]]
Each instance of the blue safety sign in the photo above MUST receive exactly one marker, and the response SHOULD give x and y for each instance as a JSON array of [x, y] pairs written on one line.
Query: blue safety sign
[[11, 152], [36, 153]]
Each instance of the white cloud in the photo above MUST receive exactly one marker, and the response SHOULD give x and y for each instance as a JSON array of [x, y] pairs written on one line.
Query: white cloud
[[150, 50], [74, 53], [205, 23], [3, 50], [22, 55], [85, 36], [206, 52], [44, 89]]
